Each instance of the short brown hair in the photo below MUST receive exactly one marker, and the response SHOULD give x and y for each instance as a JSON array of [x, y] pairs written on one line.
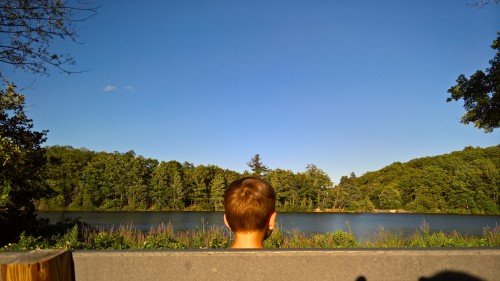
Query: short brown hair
[[249, 203]]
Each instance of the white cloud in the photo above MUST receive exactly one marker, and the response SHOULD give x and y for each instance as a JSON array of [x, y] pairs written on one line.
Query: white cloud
[[109, 88], [130, 88]]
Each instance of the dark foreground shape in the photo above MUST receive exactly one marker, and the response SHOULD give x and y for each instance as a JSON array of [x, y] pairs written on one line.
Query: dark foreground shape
[[451, 275]]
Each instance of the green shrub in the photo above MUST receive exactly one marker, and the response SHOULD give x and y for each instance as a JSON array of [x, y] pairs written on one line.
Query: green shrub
[[205, 238], [162, 241], [438, 239], [275, 240], [79, 236], [492, 236], [386, 239], [297, 239], [337, 239], [27, 242], [219, 243], [218, 238], [362, 205], [342, 239], [109, 240], [70, 240], [424, 238]]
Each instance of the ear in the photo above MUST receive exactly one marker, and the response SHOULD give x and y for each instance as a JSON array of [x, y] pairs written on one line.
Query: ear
[[272, 221], [226, 223]]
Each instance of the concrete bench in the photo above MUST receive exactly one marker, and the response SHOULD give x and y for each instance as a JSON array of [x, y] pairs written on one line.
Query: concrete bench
[[359, 264], [343, 264]]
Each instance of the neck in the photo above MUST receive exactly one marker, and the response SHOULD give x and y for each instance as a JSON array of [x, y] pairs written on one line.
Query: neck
[[248, 240]]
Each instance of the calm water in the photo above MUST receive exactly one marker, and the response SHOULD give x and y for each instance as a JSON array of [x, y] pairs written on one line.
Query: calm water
[[363, 225]]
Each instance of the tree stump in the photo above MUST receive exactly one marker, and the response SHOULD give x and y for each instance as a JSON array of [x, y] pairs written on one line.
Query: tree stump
[[39, 265]]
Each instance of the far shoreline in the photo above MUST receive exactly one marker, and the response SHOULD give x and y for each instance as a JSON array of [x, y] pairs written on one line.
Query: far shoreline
[[305, 212]]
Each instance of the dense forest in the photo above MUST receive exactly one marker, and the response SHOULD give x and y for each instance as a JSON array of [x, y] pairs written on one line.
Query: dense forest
[[466, 181]]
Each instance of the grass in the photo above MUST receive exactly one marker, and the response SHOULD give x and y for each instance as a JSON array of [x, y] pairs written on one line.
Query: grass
[[79, 236]]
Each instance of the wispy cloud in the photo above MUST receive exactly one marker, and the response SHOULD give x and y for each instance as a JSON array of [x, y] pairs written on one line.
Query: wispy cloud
[[130, 88], [109, 88]]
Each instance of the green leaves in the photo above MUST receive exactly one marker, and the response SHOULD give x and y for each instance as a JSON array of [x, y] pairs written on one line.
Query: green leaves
[[480, 93], [257, 167], [465, 181], [390, 198], [168, 186], [304, 191], [116, 181], [22, 164]]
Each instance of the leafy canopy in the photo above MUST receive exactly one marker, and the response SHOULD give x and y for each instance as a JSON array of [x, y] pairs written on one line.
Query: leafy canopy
[[481, 94], [22, 162], [257, 167]]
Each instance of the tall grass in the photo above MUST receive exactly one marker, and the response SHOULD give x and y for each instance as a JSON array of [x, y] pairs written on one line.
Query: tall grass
[[164, 236], [423, 238]]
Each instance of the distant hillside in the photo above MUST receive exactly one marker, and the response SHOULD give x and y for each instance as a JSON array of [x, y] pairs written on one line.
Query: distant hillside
[[80, 179], [460, 182], [466, 181]]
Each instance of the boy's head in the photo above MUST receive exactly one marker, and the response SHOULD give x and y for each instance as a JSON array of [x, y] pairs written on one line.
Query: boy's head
[[249, 204]]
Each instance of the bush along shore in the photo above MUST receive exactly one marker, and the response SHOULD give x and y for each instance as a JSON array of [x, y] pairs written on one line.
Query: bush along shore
[[80, 236]]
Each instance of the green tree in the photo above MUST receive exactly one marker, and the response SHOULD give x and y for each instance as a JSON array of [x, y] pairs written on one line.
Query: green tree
[[257, 167], [138, 182], [361, 205], [354, 198], [64, 171], [286, 186], [168, 186], [231, 175], [345, 192], [217, 188], [116, 181], [390, 198], [461, 198], [177, 192], [202, 177], [22, 164], [339, 195], [480, 93], [315, 183], [98, 181]]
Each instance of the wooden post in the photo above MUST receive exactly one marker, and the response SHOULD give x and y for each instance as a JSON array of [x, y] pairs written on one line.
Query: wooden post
[[38, 265]]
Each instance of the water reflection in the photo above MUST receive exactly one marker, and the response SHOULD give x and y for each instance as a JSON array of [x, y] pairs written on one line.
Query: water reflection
[[363, 225]]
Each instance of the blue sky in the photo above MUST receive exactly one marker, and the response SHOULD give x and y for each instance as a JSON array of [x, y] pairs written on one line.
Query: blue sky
[[346, 85]]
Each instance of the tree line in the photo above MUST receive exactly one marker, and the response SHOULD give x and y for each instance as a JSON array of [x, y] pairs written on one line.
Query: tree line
[[465, 181], [81, 179]]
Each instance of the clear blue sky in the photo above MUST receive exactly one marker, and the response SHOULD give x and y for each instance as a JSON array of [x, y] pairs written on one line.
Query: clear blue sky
[[346, 85]]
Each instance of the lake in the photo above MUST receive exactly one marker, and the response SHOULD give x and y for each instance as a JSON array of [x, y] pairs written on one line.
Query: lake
[[363, 225]]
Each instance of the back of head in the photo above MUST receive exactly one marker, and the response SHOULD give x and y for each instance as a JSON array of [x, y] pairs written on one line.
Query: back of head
[[249, 203]]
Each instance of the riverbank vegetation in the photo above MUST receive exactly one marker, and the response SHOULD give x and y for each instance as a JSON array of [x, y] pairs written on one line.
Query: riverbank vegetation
[[466, 181], [163, 236]]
